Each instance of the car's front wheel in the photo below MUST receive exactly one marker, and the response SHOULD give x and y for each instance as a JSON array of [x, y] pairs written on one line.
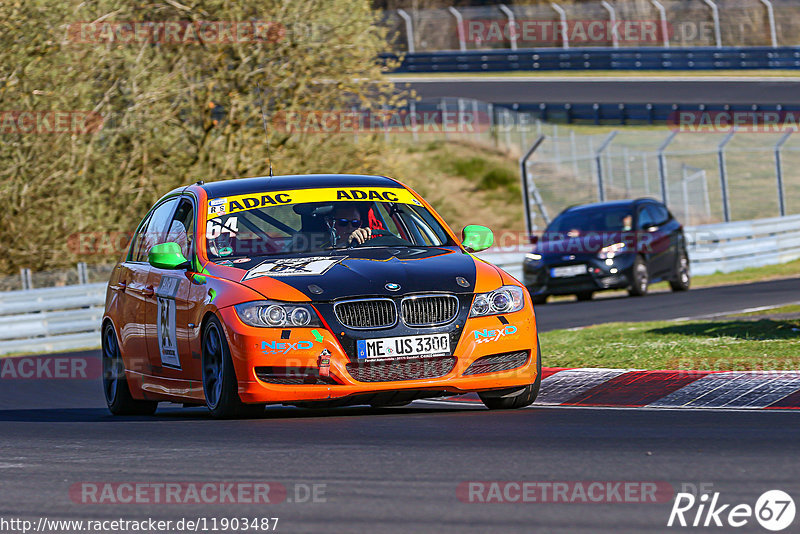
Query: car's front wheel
[[519, 399], [219, 377], [115, 383], [682, 276], [641, 279]]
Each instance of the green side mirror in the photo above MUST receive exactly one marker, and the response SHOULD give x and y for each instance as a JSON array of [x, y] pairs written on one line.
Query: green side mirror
[[167, 256], [476, 238]]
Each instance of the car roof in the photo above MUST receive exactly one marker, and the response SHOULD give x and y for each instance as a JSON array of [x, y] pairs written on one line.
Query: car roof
[[627, 203], [244, 186]]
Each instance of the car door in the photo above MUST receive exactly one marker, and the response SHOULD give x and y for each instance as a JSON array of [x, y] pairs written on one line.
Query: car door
[[130, 284], [168, 313], [654, 242]]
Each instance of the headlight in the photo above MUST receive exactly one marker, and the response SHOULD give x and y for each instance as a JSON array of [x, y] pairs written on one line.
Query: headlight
[[271, 314], [532, 257], [610, 251], [507, 299]]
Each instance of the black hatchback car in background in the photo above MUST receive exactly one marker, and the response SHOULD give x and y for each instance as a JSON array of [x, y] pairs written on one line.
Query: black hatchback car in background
[[625, 244]]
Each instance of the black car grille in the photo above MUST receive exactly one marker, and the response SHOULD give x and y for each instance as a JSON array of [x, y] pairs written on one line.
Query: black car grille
[[366, 313], [497, 363], [396, 369], [418, 311], [429, 310]]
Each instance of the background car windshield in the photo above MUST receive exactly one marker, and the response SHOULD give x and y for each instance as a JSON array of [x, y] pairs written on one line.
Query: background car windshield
[[315, 227], [573, 224]]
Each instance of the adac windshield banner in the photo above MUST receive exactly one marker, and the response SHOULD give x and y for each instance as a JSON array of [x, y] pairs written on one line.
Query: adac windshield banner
[[233, 204]]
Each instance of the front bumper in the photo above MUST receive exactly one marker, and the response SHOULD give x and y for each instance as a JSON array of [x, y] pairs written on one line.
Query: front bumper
[[296, 351], [616, 273]]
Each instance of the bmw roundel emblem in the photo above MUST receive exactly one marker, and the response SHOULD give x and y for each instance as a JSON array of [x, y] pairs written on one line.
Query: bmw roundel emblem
[[391, 286]]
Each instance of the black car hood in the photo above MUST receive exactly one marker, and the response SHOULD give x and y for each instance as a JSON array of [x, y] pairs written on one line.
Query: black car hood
[[366, 272]]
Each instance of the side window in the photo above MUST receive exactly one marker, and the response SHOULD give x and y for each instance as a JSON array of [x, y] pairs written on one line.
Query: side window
[[660, 214], [156, 228], [181, 230], [645, 218], [138, 240]]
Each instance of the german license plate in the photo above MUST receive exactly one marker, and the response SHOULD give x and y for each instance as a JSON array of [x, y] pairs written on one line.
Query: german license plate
[[390, 347], [568, 270]]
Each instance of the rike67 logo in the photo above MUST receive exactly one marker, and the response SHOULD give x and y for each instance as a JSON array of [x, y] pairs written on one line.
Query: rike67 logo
[[774, 510]]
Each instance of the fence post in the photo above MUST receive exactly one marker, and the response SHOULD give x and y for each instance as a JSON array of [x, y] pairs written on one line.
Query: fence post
[[715, 16], [662, 167], [662, 14], [627, 171], [773, 34], [723, 179], [601, 194], [462, 41], [83, 274], [409, 29], [612, 17], [512, 25], [526, 189], [779, 170], [564, 30], [412, 107], [27, 279]]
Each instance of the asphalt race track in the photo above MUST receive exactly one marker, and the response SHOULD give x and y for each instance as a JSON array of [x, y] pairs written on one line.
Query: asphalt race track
[[589, 90], [399, 469], [695, 303], [390, 470]]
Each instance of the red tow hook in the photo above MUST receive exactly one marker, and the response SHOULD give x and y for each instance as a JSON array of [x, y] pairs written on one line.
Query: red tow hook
[[324, 364]]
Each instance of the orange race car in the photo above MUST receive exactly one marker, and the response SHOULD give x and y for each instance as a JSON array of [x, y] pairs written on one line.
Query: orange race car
[[311, 290]]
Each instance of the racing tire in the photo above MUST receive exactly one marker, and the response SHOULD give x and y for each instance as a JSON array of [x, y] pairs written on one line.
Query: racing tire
[[539, 300], [683, 276], [641, 278], [115, 384], [584, 295], [525, 398], [220, 386]]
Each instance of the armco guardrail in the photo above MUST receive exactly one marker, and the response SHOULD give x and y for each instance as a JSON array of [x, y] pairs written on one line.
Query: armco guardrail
[[645, 58], [63, 318], [51, 319], [734, 246], [712, 248]]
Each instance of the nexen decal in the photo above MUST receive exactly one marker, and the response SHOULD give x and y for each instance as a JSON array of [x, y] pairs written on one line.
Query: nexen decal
[[355, 194], [279, 347], [486, 335]]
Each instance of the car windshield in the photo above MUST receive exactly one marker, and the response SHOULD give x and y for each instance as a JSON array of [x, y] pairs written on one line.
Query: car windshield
[[315, 220], [580, 222]]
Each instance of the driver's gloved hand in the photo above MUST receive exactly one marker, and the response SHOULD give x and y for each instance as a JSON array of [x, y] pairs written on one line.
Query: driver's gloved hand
[[360, 236]]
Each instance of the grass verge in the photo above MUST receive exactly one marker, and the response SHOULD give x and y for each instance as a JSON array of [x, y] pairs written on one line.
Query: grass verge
[[721, 345]]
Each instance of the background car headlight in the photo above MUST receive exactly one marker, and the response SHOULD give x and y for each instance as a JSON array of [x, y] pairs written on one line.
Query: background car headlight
[[610, 251], [532, 258], [271, 314], [507, 299]]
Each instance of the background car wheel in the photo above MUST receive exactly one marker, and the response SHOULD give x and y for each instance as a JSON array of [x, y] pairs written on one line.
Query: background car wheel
[[525, 398], [219, 377], [539, 299], [682, 274], [584, 295], [115, 384], [641, 280]]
